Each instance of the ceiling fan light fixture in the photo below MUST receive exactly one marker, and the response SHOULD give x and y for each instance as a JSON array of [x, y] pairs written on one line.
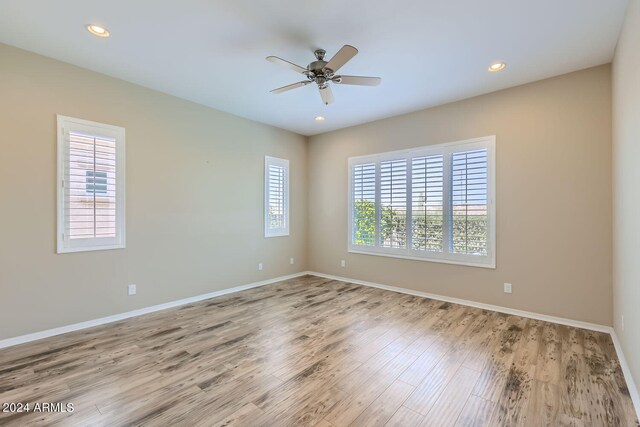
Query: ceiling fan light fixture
[[322, 73], [319, 118], [497, 66], [97, 30]]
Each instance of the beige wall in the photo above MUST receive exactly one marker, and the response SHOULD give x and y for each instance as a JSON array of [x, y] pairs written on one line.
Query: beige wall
[[626, 188], [194, 198], [553, 172]]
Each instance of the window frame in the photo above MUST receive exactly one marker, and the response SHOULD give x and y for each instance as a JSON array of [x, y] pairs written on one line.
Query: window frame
[[284, 163], [445, 149], [65, 125]]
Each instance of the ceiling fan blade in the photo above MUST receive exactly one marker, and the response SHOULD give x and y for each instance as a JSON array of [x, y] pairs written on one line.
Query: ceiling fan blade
[[357, 80], [294, 67], [291, 86], [342, 57], [327, 95]]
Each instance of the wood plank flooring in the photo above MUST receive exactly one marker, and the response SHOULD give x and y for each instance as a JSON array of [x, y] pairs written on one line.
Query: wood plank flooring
[[317, 352]]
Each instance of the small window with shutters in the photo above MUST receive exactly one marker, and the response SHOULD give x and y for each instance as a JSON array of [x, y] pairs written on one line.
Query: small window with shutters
[[433, 203], [276, 197], [90, 186]]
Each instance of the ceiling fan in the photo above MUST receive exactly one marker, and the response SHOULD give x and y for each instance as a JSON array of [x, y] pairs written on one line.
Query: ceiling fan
[[322, 72]]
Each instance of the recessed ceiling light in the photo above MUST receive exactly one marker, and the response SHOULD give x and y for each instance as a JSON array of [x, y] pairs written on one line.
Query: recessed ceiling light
[[498, 66], [319, 118], [97, 30]]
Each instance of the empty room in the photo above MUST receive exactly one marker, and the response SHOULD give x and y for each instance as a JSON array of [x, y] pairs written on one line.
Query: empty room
[[252, 213]]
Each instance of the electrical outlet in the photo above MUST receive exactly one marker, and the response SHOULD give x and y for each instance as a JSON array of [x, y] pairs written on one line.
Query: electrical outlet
[[508, 288], [131, 289], [259, 266], [291, 261], [343, 263]]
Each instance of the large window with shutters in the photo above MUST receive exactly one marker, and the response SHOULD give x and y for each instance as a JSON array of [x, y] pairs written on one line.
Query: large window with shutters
[[276, 197], [434, 203], [90, 186]]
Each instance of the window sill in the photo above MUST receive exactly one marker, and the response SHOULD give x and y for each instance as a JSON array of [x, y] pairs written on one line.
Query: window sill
[[491, 265], [283, 234], [89, 248]]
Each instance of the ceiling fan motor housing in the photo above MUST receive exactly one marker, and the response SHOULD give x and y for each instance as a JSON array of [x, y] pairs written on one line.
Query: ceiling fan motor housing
[[317, 67]]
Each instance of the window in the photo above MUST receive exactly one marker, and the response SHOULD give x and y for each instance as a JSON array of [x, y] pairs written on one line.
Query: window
[[90, 186], [433, 203], [96, 182], [276, 197]]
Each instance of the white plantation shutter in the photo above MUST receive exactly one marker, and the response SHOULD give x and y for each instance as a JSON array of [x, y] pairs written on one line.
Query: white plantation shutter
[[427, 203], [276, 221], [276, 197], [431, 203], [469, 206], [364, 204], [393, 204], [90, 186]]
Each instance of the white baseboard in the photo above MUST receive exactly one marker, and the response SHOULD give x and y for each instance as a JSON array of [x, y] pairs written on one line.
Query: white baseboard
[[109, 319], [633, 390]]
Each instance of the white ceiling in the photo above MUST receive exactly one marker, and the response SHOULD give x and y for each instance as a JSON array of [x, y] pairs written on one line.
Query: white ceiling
[[428, 52]]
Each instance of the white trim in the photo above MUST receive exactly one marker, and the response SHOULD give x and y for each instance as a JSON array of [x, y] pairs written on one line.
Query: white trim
[[500, 309], [283, 163], [413, 258], [399, 154], [626, 371], [9, 342], [633, 390], [64, 126]]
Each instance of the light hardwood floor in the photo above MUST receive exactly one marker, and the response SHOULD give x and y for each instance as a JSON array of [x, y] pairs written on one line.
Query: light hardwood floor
[[318, 352]]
